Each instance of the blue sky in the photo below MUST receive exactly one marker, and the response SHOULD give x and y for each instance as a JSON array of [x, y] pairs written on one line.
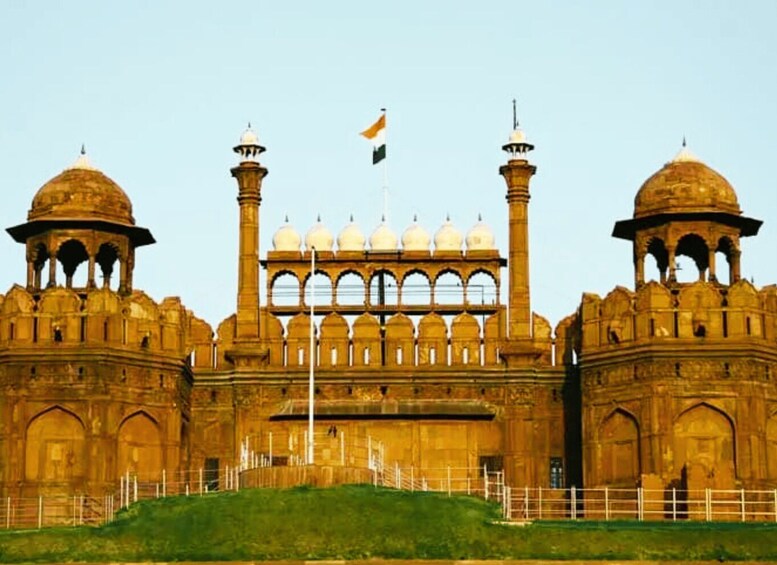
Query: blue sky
[[160, 92]]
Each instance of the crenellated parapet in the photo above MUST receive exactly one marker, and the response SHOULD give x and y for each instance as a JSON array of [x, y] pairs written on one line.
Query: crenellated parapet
[[695, 314], [65, 319]]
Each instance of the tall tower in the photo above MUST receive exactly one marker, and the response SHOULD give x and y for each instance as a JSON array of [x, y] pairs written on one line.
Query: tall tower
[[249, 174], [517, 173]]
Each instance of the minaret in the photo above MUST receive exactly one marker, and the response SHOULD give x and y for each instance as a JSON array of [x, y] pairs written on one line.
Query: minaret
[[249, 174], [517, 173]]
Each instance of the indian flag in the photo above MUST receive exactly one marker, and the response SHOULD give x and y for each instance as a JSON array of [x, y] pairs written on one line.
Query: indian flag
[[376, 133]]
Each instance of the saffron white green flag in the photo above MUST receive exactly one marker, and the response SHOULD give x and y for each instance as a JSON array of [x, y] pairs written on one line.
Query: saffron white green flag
[[376, 133]]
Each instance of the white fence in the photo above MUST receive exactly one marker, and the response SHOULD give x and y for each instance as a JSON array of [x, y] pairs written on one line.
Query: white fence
[[640, 504], [49, 511], [472, 481]]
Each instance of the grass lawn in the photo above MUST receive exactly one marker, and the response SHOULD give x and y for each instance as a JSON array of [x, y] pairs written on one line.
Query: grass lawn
[[358, 522]]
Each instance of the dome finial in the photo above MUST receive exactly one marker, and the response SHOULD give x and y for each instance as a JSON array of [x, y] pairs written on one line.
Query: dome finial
[[515, 116], [517, 146], [383, 218], [684, 155], [318, 218], [480, 217], [415, 217], [287, 218], [352, 217], [448, 217], [248, 148], [82, 162]]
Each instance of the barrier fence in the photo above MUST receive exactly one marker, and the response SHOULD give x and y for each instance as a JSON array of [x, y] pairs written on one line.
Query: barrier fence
[[640, 504], [473, 481], [51, 511]]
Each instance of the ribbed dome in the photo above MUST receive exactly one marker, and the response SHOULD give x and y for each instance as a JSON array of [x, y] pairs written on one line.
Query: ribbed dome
[[319, 237], [447, 238], [351, 238], [82, 192], [480, 237], [416, 238], [685, 184], [383, 238], [286, 238]]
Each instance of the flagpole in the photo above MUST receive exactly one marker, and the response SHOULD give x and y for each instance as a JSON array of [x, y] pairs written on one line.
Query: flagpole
[[385, 173], [311, 356]]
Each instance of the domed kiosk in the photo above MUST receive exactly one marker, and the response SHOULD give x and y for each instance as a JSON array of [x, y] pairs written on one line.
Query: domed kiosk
[[686, 208], [80, 215]]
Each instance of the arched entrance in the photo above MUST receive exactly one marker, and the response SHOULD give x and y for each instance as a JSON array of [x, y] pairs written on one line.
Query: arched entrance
[[704, 448], [55, 452], [140, 448], [619, 443]]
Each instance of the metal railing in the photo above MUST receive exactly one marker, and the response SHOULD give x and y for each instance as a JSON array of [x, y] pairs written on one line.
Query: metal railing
[[55, 511], [640, 504]]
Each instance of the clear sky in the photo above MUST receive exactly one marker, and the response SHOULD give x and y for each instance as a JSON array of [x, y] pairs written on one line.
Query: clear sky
[[161, 91]]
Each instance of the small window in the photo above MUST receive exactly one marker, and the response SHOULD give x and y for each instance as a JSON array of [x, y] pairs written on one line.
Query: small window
[[300, 356], [366, 355], [747, 324], [333, 356], [399, 355], [57, 334], [491, 463], [11, 331], [432, 356], [556, 472], [465, 355]]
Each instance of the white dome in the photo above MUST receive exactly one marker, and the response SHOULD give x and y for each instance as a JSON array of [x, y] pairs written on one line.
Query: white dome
[[415, 238], [286, 238], [447, 238], [383, 238], [351, 238], [319, 237], [249, 137], [480, 237], [517, 136]]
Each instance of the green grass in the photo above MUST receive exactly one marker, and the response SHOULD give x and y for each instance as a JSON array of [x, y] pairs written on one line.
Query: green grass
[[359, 522]]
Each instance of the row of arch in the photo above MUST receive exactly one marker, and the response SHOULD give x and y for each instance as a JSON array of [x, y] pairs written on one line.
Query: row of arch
[[56, 447], [64, 262], [350, 288], [701, 251]]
